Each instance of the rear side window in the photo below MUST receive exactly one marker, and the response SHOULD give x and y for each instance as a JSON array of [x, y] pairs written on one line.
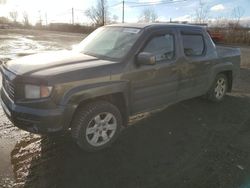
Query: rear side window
[[193, 44], [161, 46]]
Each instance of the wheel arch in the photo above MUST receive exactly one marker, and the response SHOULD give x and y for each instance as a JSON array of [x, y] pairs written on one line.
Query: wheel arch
[[223, 68], [117, 99], [116, 94], [229, 75]]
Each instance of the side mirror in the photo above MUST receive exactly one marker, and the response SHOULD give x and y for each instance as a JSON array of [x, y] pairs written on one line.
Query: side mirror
[[146, 58]]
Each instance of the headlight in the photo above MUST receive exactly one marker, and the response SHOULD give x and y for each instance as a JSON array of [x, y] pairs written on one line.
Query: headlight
[[37, 92]]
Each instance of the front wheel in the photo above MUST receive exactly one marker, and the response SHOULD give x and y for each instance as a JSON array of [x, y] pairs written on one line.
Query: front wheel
[[96, 125], [219, 88]]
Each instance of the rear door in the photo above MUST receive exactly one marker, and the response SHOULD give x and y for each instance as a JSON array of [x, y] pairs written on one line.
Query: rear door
[[195, 69], [156, 85]]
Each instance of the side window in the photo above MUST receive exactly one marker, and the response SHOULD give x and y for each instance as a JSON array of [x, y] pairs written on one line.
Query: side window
[[161, 46], [193, 44]]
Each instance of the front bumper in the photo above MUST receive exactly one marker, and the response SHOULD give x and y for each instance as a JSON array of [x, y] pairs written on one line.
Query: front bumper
[[36, 120]]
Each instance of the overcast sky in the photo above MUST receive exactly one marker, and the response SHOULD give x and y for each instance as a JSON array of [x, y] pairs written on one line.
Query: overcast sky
[[60, 10]]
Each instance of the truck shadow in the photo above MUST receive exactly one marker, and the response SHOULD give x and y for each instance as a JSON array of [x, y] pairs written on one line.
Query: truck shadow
[[191, 144]]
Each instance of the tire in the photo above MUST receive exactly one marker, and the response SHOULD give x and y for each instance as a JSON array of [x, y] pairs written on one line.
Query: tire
[[219, 88], [96, 125]]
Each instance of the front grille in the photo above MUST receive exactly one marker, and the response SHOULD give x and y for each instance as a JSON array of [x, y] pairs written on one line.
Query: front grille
[[9, 87]]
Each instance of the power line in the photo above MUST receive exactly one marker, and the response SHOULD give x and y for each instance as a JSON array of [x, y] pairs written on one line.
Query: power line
[[150, 2], [131, 4], [143, 4], [79, 10], [113, 5], [157, 3]]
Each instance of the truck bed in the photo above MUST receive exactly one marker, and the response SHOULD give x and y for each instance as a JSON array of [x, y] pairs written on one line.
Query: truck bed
[[229, 54], [227, 51]]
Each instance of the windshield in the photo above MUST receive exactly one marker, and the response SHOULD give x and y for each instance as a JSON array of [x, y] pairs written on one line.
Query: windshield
[[110, 42]]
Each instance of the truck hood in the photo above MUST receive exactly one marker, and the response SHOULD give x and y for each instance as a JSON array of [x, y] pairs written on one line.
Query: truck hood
[[52, 60]]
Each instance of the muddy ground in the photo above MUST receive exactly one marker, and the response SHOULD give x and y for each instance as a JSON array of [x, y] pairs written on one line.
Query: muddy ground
[[193, 144]]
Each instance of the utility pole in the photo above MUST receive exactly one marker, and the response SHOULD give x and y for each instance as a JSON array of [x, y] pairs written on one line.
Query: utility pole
[[72, 16], [123, 11], [103, 13], [46, 18], [40, 17]]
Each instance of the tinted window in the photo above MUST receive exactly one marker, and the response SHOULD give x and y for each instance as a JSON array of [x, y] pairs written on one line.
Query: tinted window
[[162, 47], [193, 45]]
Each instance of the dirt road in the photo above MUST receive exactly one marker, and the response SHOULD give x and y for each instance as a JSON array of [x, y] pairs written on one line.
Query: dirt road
[[193, 144]]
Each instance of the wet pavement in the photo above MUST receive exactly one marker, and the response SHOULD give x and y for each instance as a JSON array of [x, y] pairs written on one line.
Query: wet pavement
[[193, 144], [16, 43], [15, 163]]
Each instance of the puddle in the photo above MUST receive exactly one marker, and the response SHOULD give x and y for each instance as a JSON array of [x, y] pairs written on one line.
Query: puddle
[[19, 148], [15, 46], [23, 153], [16, 43]]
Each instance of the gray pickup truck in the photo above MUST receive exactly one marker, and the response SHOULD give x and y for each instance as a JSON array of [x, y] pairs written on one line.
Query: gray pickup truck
[[116, 72]]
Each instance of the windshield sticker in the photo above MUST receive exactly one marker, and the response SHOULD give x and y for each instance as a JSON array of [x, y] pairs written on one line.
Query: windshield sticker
[[131, 30]]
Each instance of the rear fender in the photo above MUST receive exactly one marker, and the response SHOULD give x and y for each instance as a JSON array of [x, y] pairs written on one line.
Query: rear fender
[[218, 68]]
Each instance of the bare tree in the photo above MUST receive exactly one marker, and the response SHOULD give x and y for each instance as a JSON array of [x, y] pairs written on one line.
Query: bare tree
[[14, 15], [237, 14], [220, 22], [201, 13], [148, 15], [26, 19], [3, 1], [99, 13]]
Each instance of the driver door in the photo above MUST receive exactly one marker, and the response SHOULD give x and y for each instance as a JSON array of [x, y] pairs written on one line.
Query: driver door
[[156, 85]]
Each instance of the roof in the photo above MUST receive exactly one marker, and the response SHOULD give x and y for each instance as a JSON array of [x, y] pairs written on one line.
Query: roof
[[155, 25]]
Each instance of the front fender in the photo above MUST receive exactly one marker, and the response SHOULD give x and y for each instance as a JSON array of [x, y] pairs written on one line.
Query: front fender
[[84, 92]]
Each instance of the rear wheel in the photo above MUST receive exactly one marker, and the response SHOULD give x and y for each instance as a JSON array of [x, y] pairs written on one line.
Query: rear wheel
[[96, 125], [219, 88]]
